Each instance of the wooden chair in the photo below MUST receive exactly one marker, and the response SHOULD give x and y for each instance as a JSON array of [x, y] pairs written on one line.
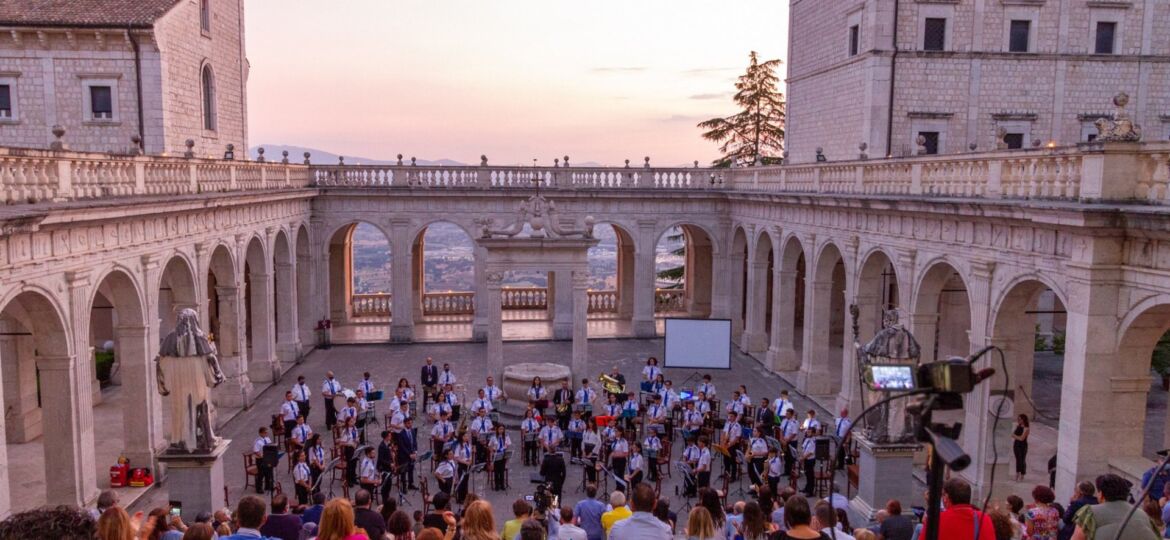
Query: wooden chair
[[663, 460], [340, 468], [250, 470], [425, 491], [277, 428], [291, 447]]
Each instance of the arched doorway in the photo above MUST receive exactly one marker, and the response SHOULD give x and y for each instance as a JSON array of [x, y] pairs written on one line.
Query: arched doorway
[[225, 322], [684, 290], [360, 262], [941, 320], [788, 322], [446, 276], [259, 316], [37, 344], [611, 288], [739, 290], [878, 291], [285, 302], [176, 291], [1142, 345], [758, 312], [125, 422], [824, 331]]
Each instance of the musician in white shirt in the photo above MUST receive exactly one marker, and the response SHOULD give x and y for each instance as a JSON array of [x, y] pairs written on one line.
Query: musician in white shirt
[[635, 468], [499, 443], [652, 445], [692, 419], [811, 422], [703, 405], [463, 458], [619, 452], [407, 391], [367, 385], [289, 410], [481, 424], [670, 398], [612, 407], [630, 410], [446, 376], [362, 404], [349, 411], [317, 457], [481, 402], [731, 434], [841, 430], [538, 396], [398, 419], [550, 435], [301, 432], [690, 456], [369, 477], [493, 392], [585, 397], [651, 371], [576, 431], [452, 399], [528, 430], [656, 414], [756, 454], [329, 389], [808, 453], [743, 396], [703, 465], [445, 472], [775, 466], [442, 431], [789, 429], [735, 405], [302, 479], [707, 388], [782, 404], [264, 477], [438, 409], [301, 394]]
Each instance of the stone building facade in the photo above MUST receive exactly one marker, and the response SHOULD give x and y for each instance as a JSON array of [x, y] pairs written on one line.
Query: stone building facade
[[969, 72], [162, 70]]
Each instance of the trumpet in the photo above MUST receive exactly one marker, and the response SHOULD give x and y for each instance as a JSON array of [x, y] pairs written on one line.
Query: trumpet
[[610, 384]]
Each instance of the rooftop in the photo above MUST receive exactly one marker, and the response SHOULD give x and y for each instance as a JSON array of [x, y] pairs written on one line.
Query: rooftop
[[83, 13]]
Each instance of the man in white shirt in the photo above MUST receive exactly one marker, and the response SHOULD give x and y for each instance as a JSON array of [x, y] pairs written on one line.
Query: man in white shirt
[[264, 478], [550, 435], [703, 465], [367, 385], [825, 520], [670, 398], [301, 394], [569, 531], [586, 396], [398, 419], [811, 422], [446, 376], [782, 404], [841, 434], [789, 430], [481, 424], [707, 387], [289, 412], [329, 389], [301, 432], [493, 392], [732, 432], [439, 408]]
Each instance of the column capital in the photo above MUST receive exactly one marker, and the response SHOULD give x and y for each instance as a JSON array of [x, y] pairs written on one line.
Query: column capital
[[77, 278], [226, 291], [130, 331], [580, 279], [54, 363], [493, 279], [150, 261], [982, 269]]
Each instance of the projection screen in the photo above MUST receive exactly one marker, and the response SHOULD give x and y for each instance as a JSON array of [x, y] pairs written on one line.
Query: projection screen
[[698, 343]]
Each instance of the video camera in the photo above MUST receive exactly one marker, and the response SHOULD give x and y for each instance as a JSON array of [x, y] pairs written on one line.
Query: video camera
[[954, 376], [543, 498]]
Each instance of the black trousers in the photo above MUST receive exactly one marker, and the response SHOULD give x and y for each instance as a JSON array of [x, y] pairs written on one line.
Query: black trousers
[[789, 458], [634, 480], [303, 408], [755, 468], [501, 467], [461, 489], [445, 484], [302, 495], [591, 472], [406, 475], [1020, 449], [575, 447], [810, 469], [264, 478], [387, 485], [731, 467], [773, 483], [619, 467], [315, 474], [350, 465], [330, 413], [289, 426], [703, 479], [530, 452]]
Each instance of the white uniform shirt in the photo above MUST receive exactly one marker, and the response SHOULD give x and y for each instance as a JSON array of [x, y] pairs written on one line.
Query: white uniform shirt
[[810, 423], [481, 424], [708, 389], [463, 453], [301, 433], [345, 413], [842, 427], [620, 446], [691, 454], [789, 428], [302, 474], [733, 432], [577, 425], [439, 408], [452, 398], [369, 470], [735, 407], [492, 393], [652, 443], [775, 467], [442, 430], [397, 421], [301, 392], [550, 436], [586, 396], [613, 409], [317, 456], [759, 447], [656, 412], [636, 463], [669, 398], [330, 387], [745, 400], [609, 432], [349, 435], [498, 444], [591, 437], [481, 403], [529, 424], [704, 460], [446, 470], [781, 406], [693, 419], [259, 444], [703, 407], [366, 386], [446, 377], [289, 410], [650, 372], [808, 448], [630, 405], [536, 393]]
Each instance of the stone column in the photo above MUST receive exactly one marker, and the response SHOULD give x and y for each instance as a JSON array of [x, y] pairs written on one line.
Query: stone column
[[626, 278], [306, 321], [23, 418], [734, 275], [339, 261], [495, 329], [401, 289], [69, 459], [580, 302], [721, 286], [923, 324], [977, 420], [262, 359], [479, 324], [236, 391], [782, 349], [755, 336], [644, 282], [418, 285], [138, 391], [320, 297], [565, 307], [5, 494], [814, 369], [287, 341], [850, 395]]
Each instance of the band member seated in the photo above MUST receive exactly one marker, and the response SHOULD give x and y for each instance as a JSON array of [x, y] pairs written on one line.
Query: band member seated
[[656, 416], [612, 407], [538, 396], [703, 405], [636, 467], [464, 458], [347, 412], [289, 411], [439, 409], [493, 392], [498, 444], [658, 384], [703, 465], [575, 434], [619, 452], [563, 402], [743, 396], [629, 411], [756, 455], [300, 433], [317, 458], [366, 385], [591, 449], [480, 428], [670, 398], [441, 434], [264, 478], [690, 456], [348, 440], [302, 478], [729, 440], [529, 429], [405, 454], [398, 419], [403, 386], [301, 395], [707, 388], [550, 436], [584, 399], [808, 456], [369, 477], [429, 379], [789, 430], [452, 400], [650, 447], [445, 472], [692, 421], [482, 402], [734, 405], [775, 466]]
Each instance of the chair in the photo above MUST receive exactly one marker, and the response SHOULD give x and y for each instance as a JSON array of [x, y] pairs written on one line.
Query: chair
[[341, 466], [425, 491], [277, 429], [291, 447], [250, 469], [663, 460]]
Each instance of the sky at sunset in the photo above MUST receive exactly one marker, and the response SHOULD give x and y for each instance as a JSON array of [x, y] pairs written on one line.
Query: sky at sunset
[[601, 81]]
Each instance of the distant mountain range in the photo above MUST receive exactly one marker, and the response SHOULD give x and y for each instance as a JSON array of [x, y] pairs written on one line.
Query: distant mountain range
[[296, 154]]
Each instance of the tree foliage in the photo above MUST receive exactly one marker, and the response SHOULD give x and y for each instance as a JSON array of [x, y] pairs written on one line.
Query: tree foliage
[[756, 132]]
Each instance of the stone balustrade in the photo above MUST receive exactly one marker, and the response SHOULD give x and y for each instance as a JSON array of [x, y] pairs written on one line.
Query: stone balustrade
[[602, 301], [36, 175], [1138, 172], [512, 298], [449, 303], [371, 305]]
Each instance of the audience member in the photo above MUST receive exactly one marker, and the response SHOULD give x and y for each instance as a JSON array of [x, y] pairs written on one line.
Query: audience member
[[337, 522], [250, 516], [825, 520], [567, 530], [617, 500], [115, 524], [641, 524], [479, 523], [895, 526], [281, 524], [699, 525], [199, 531], [960, 519], [399, 526], [522, 511], [1102, 521], [589, 512], [365, 517]]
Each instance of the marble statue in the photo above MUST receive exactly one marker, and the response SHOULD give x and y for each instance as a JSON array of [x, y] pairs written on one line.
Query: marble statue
[[186, 370]]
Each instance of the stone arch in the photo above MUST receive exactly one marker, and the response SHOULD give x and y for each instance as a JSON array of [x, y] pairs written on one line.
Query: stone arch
[[207, 94], [223, 316], [705, 229], [452, 302], [621, 303], [259, 326], [306, 316], [699, 251], [758, 323], [738, 257], [344, 305], [941, 313], [285, 300], [1139, 332], [824, 332], [177, 290], [880, 287], [788, 322]]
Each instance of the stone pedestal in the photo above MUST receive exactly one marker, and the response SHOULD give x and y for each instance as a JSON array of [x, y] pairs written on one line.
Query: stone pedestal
[[516, 381], [196, 480], [885, 472]]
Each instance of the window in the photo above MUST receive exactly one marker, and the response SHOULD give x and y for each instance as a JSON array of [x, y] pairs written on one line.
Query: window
[[1106, 32], [854, 39], [208, 79], [934, 34], [1018, 36], [5, 101], [1014, 141], [931, 143], [205, 16], [101, 102]]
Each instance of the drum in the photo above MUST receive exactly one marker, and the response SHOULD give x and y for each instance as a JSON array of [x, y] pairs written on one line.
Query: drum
[[347, 393]]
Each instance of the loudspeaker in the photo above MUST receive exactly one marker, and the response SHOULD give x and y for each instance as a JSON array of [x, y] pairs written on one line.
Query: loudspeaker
[[822, 450]]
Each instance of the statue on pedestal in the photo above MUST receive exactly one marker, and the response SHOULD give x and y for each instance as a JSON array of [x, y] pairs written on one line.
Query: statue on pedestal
[[186, 370]]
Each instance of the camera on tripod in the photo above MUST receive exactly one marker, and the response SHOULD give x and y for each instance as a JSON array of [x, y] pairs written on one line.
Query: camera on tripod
[[543, 498], [954, 376]]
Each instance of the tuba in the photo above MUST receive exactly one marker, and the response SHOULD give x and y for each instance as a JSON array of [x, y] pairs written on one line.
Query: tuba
[[610, 384]]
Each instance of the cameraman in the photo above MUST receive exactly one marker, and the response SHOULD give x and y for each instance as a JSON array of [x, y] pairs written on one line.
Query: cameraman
[[553, 470]]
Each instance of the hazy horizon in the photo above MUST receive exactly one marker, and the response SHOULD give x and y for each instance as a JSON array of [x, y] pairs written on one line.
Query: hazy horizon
[[516, 80]]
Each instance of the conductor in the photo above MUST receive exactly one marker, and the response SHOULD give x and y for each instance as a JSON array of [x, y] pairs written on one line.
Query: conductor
[[553, 471]]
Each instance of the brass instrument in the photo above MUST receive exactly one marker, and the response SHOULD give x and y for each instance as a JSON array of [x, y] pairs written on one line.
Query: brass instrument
[[610, 384]]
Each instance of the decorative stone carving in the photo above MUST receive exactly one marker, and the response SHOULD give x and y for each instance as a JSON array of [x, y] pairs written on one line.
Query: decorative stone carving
[[536, 212], [58, 145], [1121, 127], [186, 370]]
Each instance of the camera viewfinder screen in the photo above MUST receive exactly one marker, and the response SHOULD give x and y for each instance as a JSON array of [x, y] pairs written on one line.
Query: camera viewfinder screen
[[892, 377]]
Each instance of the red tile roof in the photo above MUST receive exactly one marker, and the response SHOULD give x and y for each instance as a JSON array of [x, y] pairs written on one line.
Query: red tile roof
[[83, 13]]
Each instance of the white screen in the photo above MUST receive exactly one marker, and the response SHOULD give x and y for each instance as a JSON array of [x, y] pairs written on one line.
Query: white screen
[[698, 343]]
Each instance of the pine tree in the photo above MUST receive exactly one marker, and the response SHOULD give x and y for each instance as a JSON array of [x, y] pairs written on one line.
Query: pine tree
[[756, 133]]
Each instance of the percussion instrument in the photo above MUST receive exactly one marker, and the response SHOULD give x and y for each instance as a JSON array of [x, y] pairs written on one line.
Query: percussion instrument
[[347, 393], [376, 395]]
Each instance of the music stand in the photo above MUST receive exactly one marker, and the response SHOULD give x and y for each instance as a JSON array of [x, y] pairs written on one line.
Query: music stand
[[688, 478], [331, 466], [474, 469], [739, 458]]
